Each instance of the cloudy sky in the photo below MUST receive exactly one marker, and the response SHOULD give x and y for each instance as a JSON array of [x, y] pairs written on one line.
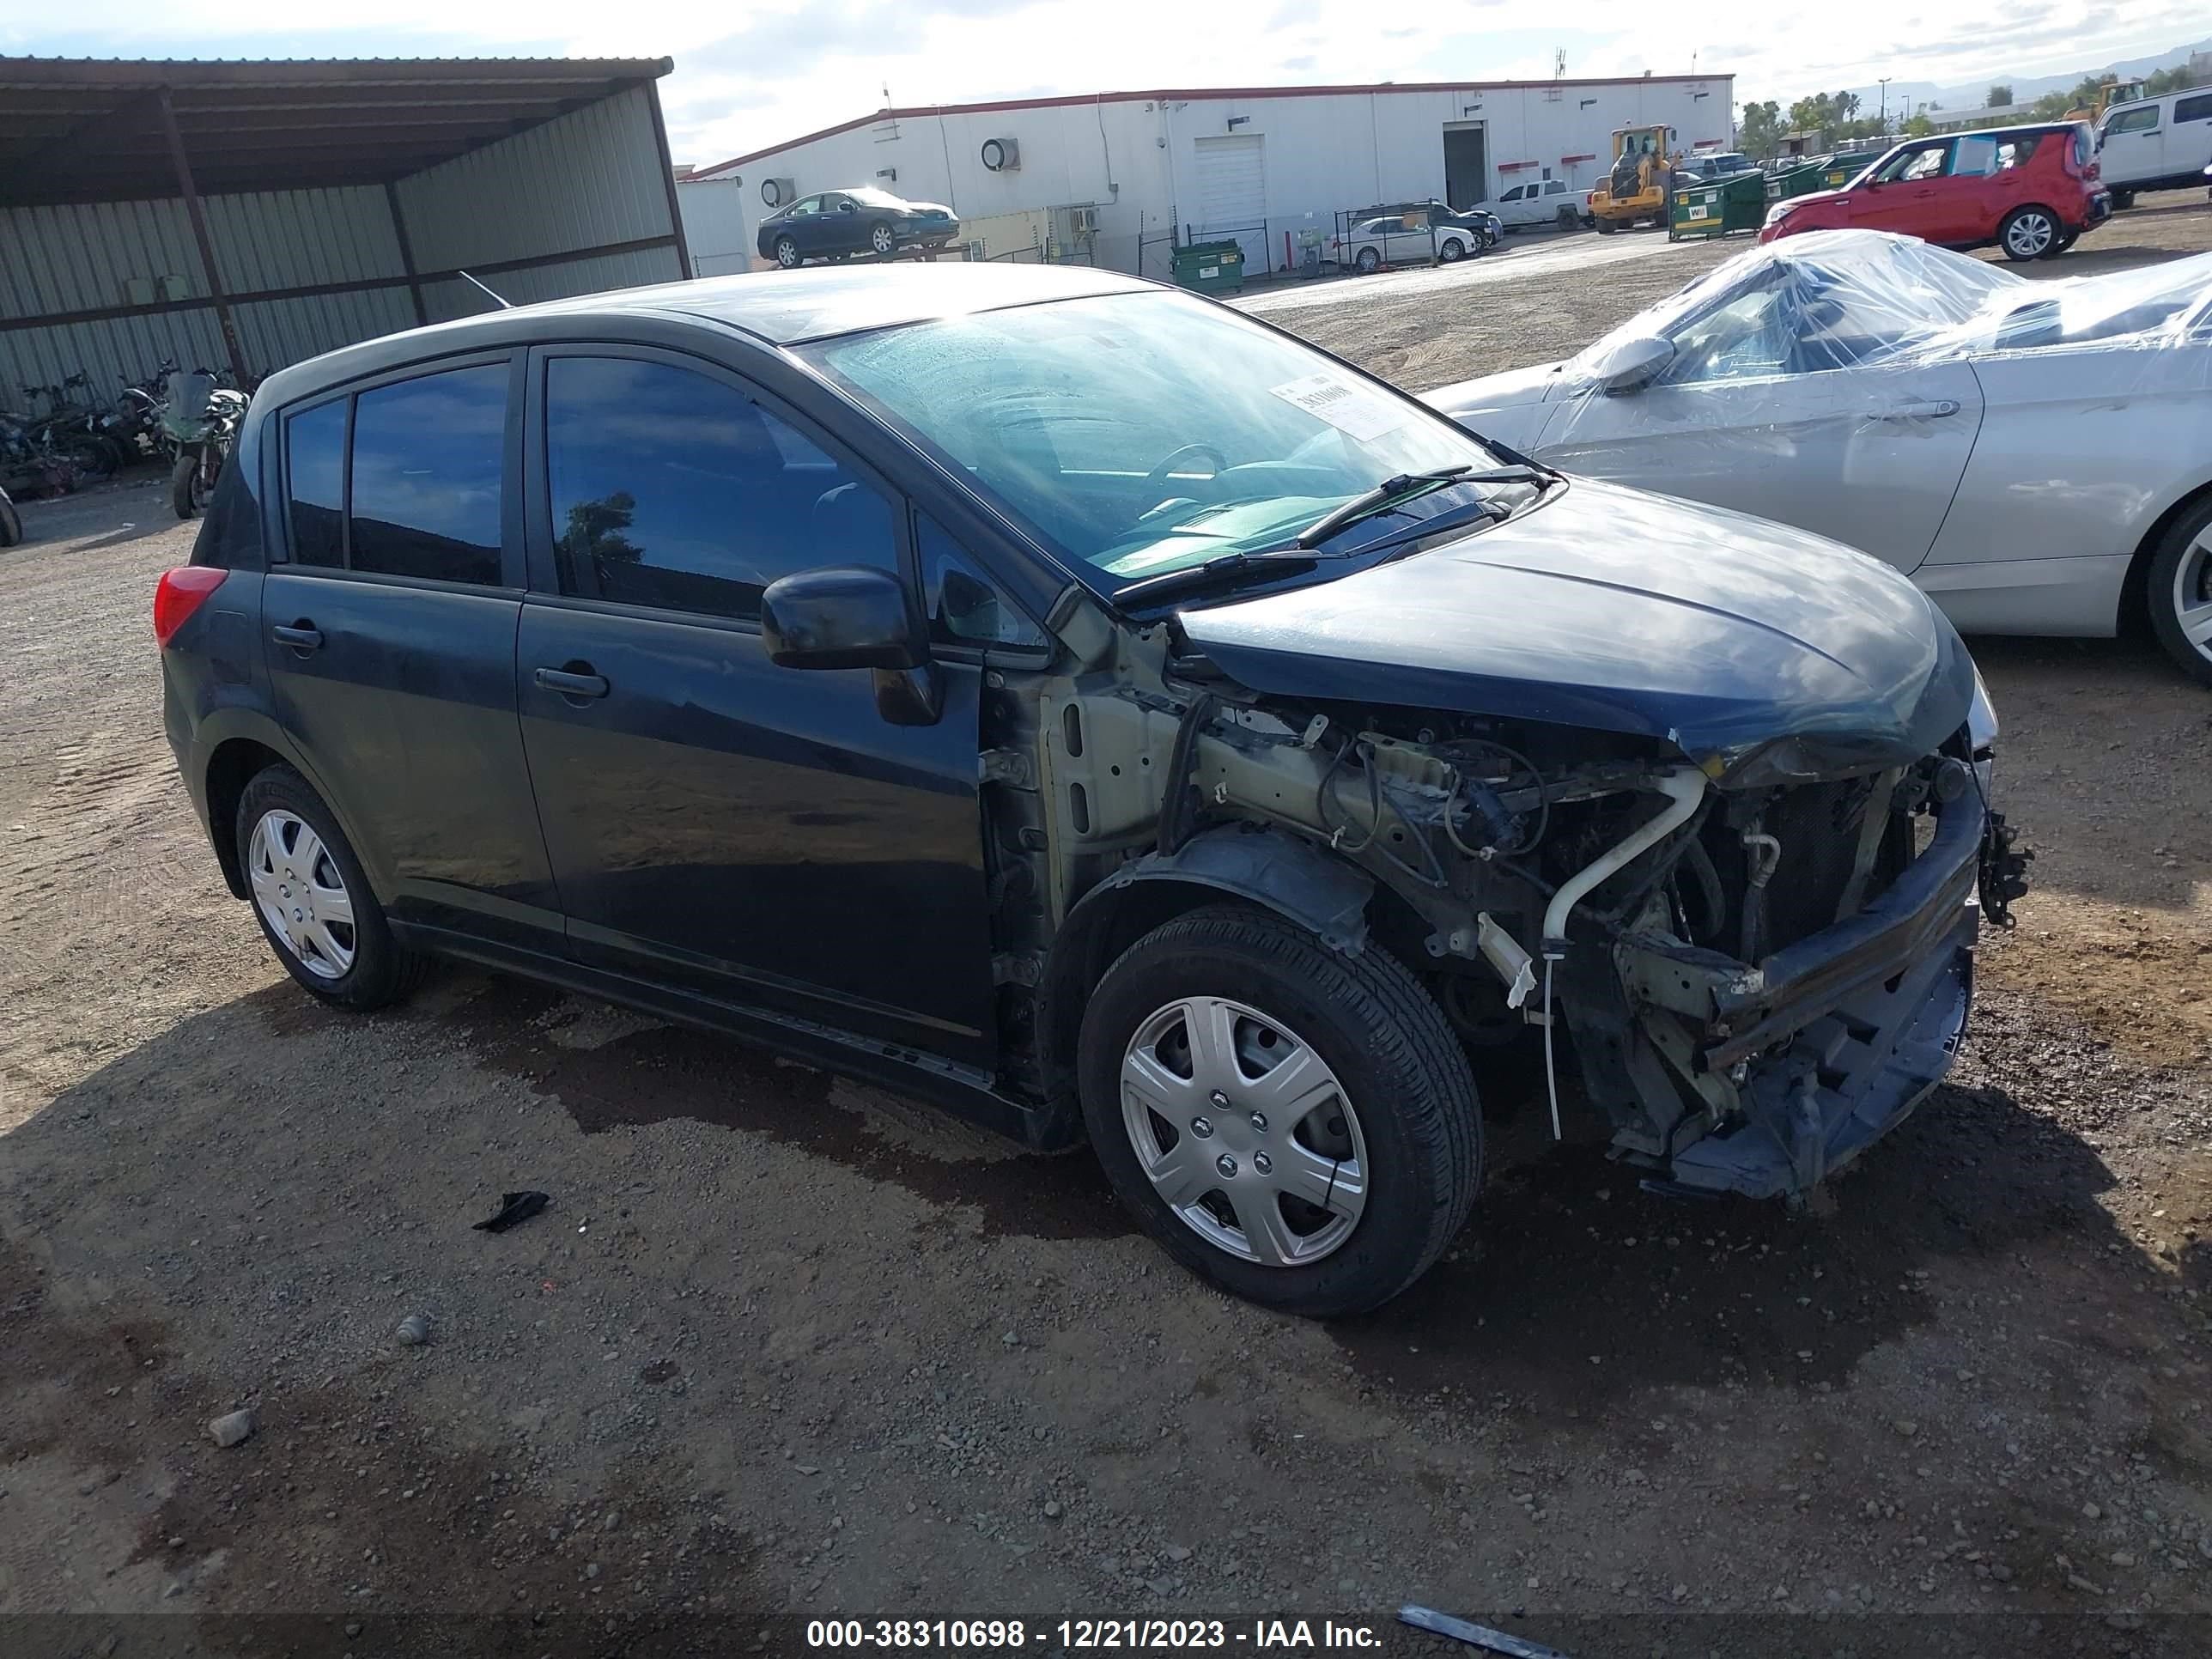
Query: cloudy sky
[[749, 76]]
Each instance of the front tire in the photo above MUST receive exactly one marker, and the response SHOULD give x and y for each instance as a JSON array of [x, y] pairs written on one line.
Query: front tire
[[2027, 233], [2122, 200], [313, 899], [1451, 251], [2179, 590], [186, 493], [1298, 1126], [881, 240]]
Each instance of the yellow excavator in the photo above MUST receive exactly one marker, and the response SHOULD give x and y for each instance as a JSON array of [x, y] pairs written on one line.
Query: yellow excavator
[[1642, 179], [2109, 91]]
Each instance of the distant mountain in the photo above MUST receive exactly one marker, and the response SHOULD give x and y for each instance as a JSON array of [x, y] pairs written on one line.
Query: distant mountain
[[1908, 95]]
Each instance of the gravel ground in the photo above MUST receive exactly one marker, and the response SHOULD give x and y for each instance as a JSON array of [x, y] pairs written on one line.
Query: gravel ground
[[783, 1347]]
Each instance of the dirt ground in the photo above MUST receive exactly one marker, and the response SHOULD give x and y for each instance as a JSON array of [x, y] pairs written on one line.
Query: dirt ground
[[784, 1347]]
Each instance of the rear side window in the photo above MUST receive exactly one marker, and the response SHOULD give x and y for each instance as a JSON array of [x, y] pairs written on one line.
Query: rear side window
[[428, 458], [2198, 108], [314, 473], [672, 489]]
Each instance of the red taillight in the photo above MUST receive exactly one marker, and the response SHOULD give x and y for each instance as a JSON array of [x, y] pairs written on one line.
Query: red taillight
[[182, 591]]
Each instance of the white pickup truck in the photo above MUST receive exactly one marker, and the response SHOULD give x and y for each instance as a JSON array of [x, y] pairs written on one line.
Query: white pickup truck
[[1541, 202]]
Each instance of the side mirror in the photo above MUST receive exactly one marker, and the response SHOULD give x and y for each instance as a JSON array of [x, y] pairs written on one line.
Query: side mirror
[[1633, 363], [840, 615], [847, 207]]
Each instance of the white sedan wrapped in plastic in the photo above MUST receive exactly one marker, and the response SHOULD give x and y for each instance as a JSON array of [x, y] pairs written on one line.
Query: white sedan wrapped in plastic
[[2038, 455]]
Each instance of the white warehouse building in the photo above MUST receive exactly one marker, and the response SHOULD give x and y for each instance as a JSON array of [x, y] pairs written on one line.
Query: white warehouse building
[[1117, 177]]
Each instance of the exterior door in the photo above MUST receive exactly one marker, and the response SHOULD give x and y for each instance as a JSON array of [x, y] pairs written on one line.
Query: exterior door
[[808, 227], [389, 637], [760, 833], [1907, 195], [1467, 164], [1869, 456], [2134, 146], [1233, 194]]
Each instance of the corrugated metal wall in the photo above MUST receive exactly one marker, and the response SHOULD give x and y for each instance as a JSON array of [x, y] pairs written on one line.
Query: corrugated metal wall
[[589, 180]]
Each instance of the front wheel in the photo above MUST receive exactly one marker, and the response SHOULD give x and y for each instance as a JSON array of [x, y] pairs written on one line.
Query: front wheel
[[882, 241], [2027, 233], [2180, 593], [313, 899], [2123, 199], [186, 493], [1451, 251], [1297, 1125]]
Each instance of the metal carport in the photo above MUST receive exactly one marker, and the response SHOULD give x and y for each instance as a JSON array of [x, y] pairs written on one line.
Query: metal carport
[[255, 213]]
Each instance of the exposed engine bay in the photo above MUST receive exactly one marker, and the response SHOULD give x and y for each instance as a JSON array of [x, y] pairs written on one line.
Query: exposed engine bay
[[1757, 978]]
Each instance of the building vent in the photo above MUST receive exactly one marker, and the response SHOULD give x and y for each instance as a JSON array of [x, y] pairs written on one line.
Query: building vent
[[1001, 155], [779, 192]]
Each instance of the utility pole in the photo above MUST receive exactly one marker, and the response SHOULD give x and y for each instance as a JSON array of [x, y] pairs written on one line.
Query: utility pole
[[1885, 105]]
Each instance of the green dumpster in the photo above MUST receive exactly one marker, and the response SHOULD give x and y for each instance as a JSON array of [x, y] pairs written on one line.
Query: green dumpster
[[1714, 209], [1822, 172], [1210, 267]]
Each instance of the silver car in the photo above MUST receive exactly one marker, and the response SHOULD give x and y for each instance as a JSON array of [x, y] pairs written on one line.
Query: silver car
[[2038, 455]]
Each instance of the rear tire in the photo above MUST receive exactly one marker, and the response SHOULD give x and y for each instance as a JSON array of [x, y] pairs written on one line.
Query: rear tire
[[11, 522], [2062, 244], [2123, 199], [1369, 261], [1384, 1097], [1564, 218], [357, 965], [2027, 233], [787, 253], [1605, 226], [2179, 592]]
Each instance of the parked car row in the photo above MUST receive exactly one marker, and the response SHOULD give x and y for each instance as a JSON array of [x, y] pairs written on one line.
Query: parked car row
[[1413, 233], [1087, 706]]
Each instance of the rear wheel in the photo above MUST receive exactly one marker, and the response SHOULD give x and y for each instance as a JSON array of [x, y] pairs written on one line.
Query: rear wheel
[[2180, 591], [1298, 1126], [2123, 198], [1605, 226], [2065, 241], [786, 252], [2027, 233], [314, 901], [11, 522], [1368, 260], [1564, 218]]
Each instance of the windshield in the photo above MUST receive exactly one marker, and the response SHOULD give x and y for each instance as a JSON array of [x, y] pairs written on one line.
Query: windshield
[[1138, 434]]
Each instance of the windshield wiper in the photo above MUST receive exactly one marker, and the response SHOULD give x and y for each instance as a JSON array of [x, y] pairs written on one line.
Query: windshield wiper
[[1391, 493], [1226, 570]]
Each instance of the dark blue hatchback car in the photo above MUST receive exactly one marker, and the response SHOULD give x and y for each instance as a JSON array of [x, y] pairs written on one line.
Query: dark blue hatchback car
[[1081, 703]]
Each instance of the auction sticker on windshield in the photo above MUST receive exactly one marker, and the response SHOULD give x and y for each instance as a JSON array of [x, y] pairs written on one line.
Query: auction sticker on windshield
[[1349, 407]]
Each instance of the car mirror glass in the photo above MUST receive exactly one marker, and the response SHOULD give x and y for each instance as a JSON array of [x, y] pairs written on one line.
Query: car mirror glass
[[1634, 362]]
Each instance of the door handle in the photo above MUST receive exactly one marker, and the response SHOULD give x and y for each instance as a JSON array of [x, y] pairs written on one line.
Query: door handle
[[1933, 409], [571, 683], [302, 635]]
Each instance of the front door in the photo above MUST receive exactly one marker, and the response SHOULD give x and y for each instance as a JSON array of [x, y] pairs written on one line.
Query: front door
[[1880, 450], [1907, 195], [2133, 148], [764, 834], [389, 637]]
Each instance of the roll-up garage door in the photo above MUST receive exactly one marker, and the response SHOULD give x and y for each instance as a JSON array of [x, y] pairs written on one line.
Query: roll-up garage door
[[1232, 193]]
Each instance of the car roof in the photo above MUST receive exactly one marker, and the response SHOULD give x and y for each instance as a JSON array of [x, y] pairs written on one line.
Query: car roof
[[779, 308]]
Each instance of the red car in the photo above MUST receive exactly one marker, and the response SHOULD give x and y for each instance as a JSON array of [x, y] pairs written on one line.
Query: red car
[[2031, 190]]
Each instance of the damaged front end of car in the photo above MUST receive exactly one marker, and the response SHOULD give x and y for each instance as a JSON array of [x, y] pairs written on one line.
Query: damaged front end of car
[[1753, 915]]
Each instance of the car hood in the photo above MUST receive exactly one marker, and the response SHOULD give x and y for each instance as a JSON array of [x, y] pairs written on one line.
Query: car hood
[[929, 207], [1812, 199], [1764, 653]]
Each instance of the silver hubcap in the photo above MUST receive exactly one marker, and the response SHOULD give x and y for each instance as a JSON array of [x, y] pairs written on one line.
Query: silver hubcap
[[2031, 234], [787, 253], [301, 895], [1244, 1132], [882, 239], [2192, 594]]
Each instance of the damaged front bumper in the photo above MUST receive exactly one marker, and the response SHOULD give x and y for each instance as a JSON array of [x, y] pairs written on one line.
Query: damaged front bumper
[[1799, 1063]]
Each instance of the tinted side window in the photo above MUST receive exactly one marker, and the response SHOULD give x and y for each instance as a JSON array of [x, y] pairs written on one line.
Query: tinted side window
[[964, 608], [428, 458], [2198, 108], [314, 472], [670, 489]]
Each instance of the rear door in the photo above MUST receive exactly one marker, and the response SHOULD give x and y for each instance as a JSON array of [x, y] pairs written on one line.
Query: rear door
[[389, 637], [2187, 149], [764, 834]]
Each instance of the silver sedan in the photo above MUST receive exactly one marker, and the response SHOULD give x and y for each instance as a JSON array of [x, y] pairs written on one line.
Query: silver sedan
[[2037, 454]]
